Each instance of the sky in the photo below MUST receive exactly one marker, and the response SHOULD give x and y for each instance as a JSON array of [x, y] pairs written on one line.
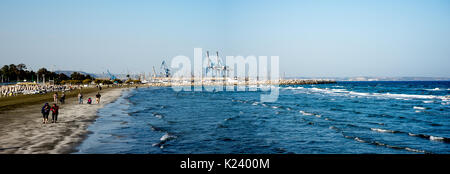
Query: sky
[[313, 38]]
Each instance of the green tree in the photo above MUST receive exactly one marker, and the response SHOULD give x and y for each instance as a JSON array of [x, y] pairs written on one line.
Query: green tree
[[13, 72], [61, 77], [5, 73], [21, 67], [97, 81], [87, 81], [75, 82], [107, 82], [88, 77], [43, 73], [77, 76]]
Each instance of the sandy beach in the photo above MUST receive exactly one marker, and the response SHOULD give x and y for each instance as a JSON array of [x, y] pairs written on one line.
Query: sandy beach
[[22, 131]]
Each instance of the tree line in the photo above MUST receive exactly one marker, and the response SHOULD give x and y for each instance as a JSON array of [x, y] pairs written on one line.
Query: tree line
[[20, 73]]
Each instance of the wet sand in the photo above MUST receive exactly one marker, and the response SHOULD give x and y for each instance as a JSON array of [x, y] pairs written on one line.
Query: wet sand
[[22, 131]]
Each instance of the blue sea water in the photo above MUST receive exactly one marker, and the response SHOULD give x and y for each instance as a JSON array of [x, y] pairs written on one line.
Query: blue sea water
[[346, 117]]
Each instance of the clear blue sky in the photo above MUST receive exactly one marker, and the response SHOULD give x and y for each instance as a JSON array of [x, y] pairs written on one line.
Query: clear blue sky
[[313, 38]]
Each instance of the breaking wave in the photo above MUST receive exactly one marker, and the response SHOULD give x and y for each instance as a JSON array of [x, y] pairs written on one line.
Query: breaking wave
[[430, 137], [158, 115], [420, 108], [377, 143], [435, 89], [166, 137], [383, 130], [339, 91]]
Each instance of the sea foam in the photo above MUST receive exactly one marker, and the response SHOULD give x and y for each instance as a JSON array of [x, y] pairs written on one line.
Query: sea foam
[[382, 130], [420, 108]]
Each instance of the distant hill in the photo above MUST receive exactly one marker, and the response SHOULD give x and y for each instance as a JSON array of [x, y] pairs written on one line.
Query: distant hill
[[97, 75], [68, 73]]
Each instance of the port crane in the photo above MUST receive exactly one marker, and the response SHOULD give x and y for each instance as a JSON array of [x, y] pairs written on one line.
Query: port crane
[[154, 73], [217, 68], [210, 65], [164, 70], [111, 76], [222, 70]]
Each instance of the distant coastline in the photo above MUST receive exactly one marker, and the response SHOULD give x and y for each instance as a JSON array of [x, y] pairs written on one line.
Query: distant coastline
[[373, 78]]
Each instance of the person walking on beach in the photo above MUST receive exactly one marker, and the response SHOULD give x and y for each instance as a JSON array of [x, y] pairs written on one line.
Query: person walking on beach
[[55, 111], [80, 98], [97, 97], [63, 98], [55, 97], [45, 112]]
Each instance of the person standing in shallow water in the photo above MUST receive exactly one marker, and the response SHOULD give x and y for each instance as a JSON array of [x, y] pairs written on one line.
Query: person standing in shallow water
[[97, 97], [55, 111], [45, 112]]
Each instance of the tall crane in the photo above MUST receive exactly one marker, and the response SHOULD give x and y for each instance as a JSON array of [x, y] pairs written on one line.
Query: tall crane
[[154, 73], [217, 68], [164, 70], [209, 66], [220, 68], [111, 76]]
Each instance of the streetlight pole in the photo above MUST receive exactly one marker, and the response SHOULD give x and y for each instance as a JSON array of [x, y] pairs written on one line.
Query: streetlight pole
[[32, 76]]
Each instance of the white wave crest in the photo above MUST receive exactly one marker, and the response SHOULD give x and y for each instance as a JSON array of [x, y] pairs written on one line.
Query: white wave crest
[[339, 90], [365, 94], [433, 138], [382, 130], [414, 150], [359, 140], [305, 113], [410, 96], [167, 137], [292, 88], [420, 108]]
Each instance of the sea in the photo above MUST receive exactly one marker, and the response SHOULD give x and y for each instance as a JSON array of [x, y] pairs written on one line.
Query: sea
[[342, 118]]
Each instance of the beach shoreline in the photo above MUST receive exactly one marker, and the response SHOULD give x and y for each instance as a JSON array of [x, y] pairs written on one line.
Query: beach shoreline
[[22, 130]]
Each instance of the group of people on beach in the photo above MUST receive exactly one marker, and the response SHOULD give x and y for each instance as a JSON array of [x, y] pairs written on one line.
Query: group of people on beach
[[46, 112], [89, 101], [62, 99], [46, 109]]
